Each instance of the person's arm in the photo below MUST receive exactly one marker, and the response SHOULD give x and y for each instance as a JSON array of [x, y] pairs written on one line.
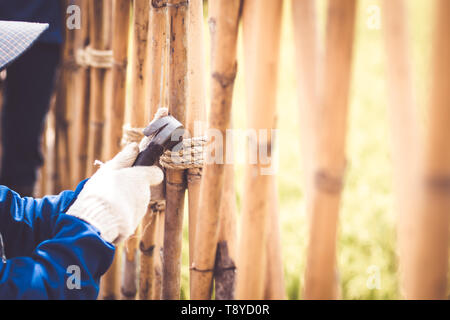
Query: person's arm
[[50, 255]]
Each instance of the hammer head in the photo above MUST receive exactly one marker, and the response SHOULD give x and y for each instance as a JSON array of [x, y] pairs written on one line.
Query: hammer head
[[165, 133]]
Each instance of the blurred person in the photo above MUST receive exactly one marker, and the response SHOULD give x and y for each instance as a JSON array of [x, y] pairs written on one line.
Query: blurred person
[[28, 89]]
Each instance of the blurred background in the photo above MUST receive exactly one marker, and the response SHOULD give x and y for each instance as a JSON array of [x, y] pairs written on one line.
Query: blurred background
[[367, 234]]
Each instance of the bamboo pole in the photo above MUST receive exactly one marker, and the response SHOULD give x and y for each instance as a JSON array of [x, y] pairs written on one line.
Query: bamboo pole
[[427, 265], [224, 22], [275, 289], [150, 258], [329, 151], [139, 78], [225, 264], [175, 179], [100, 39], [81, 104], [307, 53], [115, 117], [261, 26], [196, 108], [403, 117]]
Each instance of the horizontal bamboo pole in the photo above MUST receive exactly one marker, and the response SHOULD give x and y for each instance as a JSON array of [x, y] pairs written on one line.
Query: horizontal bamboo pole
[[224, 22], [427, 267], [329, 151]]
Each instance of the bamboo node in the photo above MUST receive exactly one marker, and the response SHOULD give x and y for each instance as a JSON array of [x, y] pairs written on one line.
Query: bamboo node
[[327, 182], [177, 5], [439, 184], [189, 156], [193, 268], [90, 57], [131, 134], [148, 252], [157, 205], [225, 80]]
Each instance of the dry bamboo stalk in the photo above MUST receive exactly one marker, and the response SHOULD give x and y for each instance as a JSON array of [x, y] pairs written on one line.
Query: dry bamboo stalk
[[329, 151], [403, 116], [275, 289], [139, 78], [175, 179], [100, 39], [196, 107], [224, 23], [115, 117], [65, 109], [82, 97], [427, 263], [158, 262], [261, 26], [149, 278], [225, 264], [307, 53]]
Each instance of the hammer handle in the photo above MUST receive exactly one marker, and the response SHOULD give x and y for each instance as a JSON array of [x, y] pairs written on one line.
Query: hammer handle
[[149, 156]]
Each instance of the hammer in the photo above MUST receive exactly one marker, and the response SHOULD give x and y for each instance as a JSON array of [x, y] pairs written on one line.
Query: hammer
[[166, 133]]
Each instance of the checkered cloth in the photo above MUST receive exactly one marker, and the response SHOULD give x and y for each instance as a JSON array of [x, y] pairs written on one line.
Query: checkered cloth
[[17, 37]]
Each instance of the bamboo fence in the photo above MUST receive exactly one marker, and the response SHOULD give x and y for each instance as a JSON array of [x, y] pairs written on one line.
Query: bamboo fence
[[131, 57]]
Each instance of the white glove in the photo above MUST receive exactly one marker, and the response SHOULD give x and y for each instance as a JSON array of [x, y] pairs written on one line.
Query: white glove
[[116, 197]]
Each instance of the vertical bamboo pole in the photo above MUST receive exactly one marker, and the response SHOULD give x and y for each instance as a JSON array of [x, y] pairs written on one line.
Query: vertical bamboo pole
[[100, 39], [82, 97], [115, 118], [141, 10], [175, 179], [225, 264], [427, 266], [403, 117], [224, 23], [307, 53], [196, 108], [275, 289], [261, 25], [329, 151], [64, 110], [149, 287]]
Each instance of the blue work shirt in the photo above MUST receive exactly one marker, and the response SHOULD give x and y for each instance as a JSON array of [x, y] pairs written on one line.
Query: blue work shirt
[[47, 11], [47, 249]]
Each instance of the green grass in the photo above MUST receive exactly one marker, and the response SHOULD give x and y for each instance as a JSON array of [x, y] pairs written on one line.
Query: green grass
[[367, 219]]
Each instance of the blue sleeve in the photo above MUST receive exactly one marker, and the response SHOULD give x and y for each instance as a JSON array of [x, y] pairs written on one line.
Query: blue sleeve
[[50, 255]]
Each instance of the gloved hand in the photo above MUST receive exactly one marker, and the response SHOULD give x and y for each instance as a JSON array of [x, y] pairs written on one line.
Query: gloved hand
[[116, 197]]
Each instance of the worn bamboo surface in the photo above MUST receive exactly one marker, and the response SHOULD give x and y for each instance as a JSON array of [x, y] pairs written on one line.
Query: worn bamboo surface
[[329, 151], [426, 268], [81, 108], [110, 285], [226, 254], [137, 119], [175, 179], [100, 39], [196, 108], [224, 22], [261, 26], [150, 262]]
